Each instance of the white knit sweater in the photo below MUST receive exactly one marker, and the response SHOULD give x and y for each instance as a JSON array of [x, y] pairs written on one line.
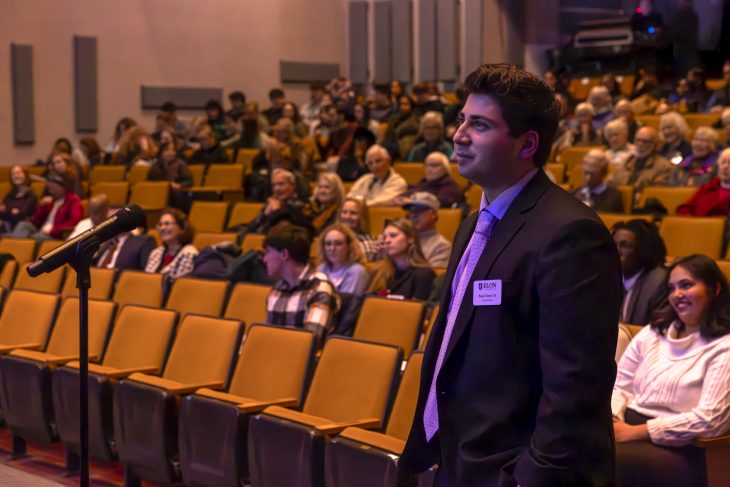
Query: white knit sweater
[[684, 384]]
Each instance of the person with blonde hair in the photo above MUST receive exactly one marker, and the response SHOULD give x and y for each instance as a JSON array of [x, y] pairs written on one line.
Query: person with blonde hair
[[431, 132], [404, 271], [700, 166], [619, 149], [673, 129], [341, 258], [382, 185], [326, 200], [354, 214], [582, 132]]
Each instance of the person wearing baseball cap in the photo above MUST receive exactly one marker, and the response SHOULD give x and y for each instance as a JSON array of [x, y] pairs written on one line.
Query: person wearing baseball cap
[[422, 211]]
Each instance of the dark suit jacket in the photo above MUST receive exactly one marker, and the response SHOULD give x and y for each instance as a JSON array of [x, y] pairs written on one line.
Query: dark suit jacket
[[609, 201], [525, 388], [649, 293], [134, 253]]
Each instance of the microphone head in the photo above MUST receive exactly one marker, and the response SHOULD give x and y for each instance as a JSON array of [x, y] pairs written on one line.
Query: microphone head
[[130, 217]]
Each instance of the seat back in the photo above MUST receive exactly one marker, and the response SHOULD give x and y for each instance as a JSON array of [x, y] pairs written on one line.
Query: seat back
[[248, 303], [275, 363], [7, 277], [693, 235], [460, 180], [243, 213], [208, 216], [376, 323], [404, 405], [412, 172], [22, 249], [205, 239], [429, 327], [252, 241], [557, 170], [624, 338], [473, 196], [610, 219], [116, 191], [573, 156], [198, 296], [228, 176], [670, 197], [245, 157], [45, 283], [141, 338], [140, 288], [353, 380], [64, 339], [378, 214], [203, 350], [137, 173], [102, 281], [106, 173], [196, 173], [46, 246], [448, 222], [724, 266], [150, 195], [627, 197], [696, 120], [27, 317]]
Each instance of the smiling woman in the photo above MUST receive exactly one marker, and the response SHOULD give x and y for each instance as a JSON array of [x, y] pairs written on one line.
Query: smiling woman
[[174, 258]]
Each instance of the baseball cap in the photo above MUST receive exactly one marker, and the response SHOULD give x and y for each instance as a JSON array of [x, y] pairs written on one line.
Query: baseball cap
[[422, 199]]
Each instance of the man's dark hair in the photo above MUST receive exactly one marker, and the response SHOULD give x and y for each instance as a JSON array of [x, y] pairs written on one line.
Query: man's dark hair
[[650, 249], [295, 239], [527, 102], [237, 96], [214, 105], [382, 88], [420, 88], [168, 106], [276, 93]]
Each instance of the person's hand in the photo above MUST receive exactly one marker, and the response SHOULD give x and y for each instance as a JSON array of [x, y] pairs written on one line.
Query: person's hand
[[272, 204], [2, 207], [47, 200], [626, 432], [13, 211], [176, 186]]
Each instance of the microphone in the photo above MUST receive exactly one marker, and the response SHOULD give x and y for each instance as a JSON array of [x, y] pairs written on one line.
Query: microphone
[[124, 220]]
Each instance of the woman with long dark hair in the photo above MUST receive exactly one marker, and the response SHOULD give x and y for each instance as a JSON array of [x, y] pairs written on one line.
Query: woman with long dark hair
[[174, 258], [19, 204]]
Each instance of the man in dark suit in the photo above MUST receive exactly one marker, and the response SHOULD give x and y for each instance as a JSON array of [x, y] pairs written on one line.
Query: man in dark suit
[[518, 371], [596, 192], [125, 251]]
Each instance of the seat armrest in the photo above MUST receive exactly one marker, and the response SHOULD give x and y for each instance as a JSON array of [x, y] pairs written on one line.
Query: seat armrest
[[245, 404], [171, 385], [4, 348], [710, 442], [258, 406], [334, 428], [46, 357], [115, 373]]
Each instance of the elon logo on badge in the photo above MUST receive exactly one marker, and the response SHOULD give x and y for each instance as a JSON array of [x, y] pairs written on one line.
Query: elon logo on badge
[[488, 293]]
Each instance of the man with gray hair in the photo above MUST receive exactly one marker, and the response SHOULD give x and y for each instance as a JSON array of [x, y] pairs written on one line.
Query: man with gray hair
[[382, 185], [646, 167], [596, 192], [600, 98], [283, 205]]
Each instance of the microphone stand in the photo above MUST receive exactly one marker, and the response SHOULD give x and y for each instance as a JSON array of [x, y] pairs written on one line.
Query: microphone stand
[[81, 263]]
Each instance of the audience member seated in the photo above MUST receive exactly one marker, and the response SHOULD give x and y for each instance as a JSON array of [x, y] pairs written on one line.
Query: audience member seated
[[646, 167], [277, 155], [431, 133], [282, 205], [673, 380], [291, 113], [404, 271], [120, 128], [582, 132], [642, 253], [19, 204], [402, 123], [678, 98], [699, 98], [126, 251], [341, 258], [98, 210], [646, 86], [438, 181], [351, 166], [276, 110], [600, 98], [326, 201], [725, 122], [174, 258], [238, 104], [673, 130], [92, 151], [169, 111], [361, 112], [383, 185], [216, 118], [136, 147], [302, 297], [425, 100], [713, 197], [619, 150], [722, 95], [62, 163], [210, 151], [625, 110], [423, 212], [76, 158], [232, 136], [596, 192], [57, 213], [169, 167], [382, 107], [283, 132], [614, 88], [254, 128], [700, 166], [354, 214], [310, 111]]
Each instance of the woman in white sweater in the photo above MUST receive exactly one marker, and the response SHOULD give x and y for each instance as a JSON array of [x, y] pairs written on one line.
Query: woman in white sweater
[[673, 381]]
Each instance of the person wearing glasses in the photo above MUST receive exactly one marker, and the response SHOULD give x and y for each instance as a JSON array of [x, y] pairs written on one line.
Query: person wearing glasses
[[341, 258], [701, 165], [174, 258]]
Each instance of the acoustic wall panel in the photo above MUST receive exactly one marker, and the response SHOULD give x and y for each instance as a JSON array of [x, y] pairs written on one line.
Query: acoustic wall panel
[[357, 13], [85, 84], [188, 98], [402, 39], [446, 55], [21, 73], [383, 44], [298, 72], [472, 35], [426, 41]]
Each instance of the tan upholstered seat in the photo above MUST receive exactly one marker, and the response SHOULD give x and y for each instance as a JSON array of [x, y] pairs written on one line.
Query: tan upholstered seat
[[376, 323], [26, 320], [50, 282], [248, 303], [243, 213], [106, 174], [693, 235], [22, 249], [142, 288], [252, 241], [208, 216], [102, 282], [379, 214], [448, 222], [116, 191], [670, 197], [198, 296], [205, 239]]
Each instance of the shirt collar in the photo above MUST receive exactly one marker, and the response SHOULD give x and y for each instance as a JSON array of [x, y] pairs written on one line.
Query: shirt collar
[[501, 203], [283, 285], [631, 281]]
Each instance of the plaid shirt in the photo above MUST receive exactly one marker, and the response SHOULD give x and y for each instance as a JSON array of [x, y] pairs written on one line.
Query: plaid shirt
[[295, 306], [180, 265], [369, 247]]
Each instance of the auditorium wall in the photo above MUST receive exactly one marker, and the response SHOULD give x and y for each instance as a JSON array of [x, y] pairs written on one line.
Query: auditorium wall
[[228, 44]]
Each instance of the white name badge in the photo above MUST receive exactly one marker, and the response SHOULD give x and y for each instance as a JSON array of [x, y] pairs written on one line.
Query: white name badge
[[488, 293]]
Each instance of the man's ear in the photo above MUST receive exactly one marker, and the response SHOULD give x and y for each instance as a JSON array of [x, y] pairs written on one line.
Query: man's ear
[[285, 255], [530, 144]]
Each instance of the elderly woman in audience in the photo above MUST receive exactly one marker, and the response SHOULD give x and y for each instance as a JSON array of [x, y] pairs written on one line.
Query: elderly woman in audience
[[713, 197], [383, 185], [625, 110], [432, 134], [619, 149], [326, 201], [437, 181], [404, 271], [700, 166], [673, 381], [673, 129], [341, 258], [354, 214], [642, 253], [596, 192], [174, 258], [169, 167], [19, 204], [582, 132]]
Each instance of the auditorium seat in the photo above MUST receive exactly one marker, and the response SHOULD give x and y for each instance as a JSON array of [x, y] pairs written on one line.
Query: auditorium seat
[[724, 266], [624, 338], [245, 158], [224, 177], [46, 246], [49, 282], [197, 296], [461, 181], [138, 173], [473, 197], [649, 120], [412, 172], [352, 386], [146, 406], [248, 303], [448, 222], [7, 276], [685, 235], [26, 320], [151, 196], [670, 197], [25, 394], [610, 219], [116, 191], [627, 197], [139, 343], [22, 249], [429, 327], [206, 239], [102, 282], [142, 288], [208, 216], [557, 169], [573, 156], [243, 213], [100, 174], [197, 171], [377, 215], [717, 452], [376, 323], [252, 241], [696, 120], [5, 188], [274, 368], [358, 457], [38, 188]]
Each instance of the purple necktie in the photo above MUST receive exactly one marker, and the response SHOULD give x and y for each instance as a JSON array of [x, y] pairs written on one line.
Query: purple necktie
[[479, 240]]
